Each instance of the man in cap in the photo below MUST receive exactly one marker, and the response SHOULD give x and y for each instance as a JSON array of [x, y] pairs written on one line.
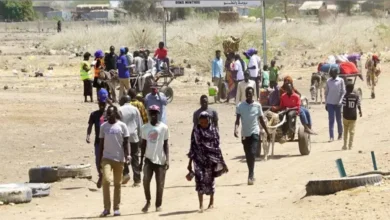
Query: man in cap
[[155, 149], [97, 118], [123, 72], [254, 69], [110, 60], [334, 94], [159, 99]]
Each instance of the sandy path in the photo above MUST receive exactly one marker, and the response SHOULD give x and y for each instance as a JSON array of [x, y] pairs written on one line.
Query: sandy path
[[44, 123]]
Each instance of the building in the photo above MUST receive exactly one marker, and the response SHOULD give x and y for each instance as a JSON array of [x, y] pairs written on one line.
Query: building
[[59, 15], [42, 10], [105, 14], [312, 7], [98, 12]]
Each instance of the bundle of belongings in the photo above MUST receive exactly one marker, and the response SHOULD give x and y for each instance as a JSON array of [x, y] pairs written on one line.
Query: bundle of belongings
[[345, 64], [231, 45]]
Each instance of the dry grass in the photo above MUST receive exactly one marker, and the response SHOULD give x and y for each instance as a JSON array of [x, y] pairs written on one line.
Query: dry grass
[[197, 39]]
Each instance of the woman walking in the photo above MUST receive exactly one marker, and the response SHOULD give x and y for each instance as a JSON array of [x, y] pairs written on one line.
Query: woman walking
[[207, 158], [98, 66], [230, 76]]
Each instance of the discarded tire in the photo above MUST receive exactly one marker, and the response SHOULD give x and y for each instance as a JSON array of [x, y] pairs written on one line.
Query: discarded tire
[[17, 194], [75, 171], [326, 187], [38, 189], [44, 174]]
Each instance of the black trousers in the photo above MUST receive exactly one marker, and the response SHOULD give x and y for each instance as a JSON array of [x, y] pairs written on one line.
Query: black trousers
[[135, 163], [257, 81], [250, 148], [159, 170]]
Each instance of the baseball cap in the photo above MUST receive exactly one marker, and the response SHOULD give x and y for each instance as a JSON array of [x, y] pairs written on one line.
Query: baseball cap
[[102, 95], [154, 108], [122, 50]]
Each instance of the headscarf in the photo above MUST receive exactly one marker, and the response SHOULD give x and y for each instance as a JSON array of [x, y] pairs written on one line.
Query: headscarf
[[375, 58], [205, 150], [99, 54], [289, 80]]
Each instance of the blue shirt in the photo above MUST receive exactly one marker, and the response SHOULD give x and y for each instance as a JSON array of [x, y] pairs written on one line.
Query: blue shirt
[[155, 100], [334, 91], [250, 114], [217, 68], [122, 64]]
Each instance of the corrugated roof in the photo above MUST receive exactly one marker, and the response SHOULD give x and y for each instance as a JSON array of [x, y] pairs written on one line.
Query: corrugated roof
[[311, 5], [94, 6]]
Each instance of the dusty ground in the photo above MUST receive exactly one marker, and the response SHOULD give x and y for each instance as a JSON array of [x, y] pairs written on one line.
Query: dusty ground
[[44, 122]]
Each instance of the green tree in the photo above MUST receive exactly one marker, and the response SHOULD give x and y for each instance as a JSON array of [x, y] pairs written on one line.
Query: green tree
[[345, 6], [17, 10], [142, 9]]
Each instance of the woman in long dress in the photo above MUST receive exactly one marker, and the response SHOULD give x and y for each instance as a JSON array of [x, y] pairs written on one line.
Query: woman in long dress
[[230, 76], [206, 156]]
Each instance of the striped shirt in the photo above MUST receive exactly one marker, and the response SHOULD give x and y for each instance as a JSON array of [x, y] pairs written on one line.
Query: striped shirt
[[141, 109], [350, 102]]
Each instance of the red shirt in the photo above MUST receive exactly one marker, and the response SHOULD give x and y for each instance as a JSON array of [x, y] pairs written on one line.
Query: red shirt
[[292, 101], [161, 53]]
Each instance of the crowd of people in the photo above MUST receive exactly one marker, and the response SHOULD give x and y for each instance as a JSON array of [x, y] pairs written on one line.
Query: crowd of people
[[137, 134], [125, 64]]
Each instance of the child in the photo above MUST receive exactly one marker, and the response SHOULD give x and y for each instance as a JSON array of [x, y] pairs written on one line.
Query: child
[[85, 76], [265, 78], [273, 74], [350, 102]]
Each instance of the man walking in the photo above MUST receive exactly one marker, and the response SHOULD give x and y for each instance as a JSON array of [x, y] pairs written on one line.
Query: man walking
[[159, 99], [139, 105], [132, 118], [114, 152], [241, 87], [155, 148], [254, 69], [250, 113], [217, 74], [123, 73], [351, 101], [334, 93], [204, 107]]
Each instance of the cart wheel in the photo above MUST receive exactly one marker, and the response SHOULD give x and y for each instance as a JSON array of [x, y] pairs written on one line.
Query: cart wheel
[[304, 141], [360, 93], [168, 92]]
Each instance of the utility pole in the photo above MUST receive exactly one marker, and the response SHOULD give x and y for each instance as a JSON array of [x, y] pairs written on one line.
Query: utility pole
[[264, 33]]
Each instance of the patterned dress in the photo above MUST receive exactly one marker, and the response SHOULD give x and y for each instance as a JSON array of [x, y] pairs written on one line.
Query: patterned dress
[[206, 156]]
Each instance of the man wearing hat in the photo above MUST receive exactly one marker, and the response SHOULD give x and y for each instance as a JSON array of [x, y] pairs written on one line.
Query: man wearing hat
[[155, 149], [123, 72], [159, 99]]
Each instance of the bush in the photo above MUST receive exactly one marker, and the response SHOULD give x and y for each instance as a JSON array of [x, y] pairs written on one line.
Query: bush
[[17, 10]]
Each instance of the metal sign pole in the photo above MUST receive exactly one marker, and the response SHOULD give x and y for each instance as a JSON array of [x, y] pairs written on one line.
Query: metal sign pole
[[264, 33], [165, 28]]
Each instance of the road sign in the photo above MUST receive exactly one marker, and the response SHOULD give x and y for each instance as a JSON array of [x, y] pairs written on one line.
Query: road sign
[[208, 3]]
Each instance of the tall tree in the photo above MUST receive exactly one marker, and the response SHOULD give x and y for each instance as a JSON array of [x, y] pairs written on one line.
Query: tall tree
[[17, 10]]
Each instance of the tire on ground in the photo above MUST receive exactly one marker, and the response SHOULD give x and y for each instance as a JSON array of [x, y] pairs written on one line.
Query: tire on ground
[[75, 171], [17, 194], [38, 189], [168, 92], [303, 141], [43, 174], [331, 186]]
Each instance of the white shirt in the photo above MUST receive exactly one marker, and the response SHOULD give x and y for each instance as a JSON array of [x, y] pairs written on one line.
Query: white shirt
[[253, 62], [114, 135], [155, 137], [258, 60], [132, 118], [240, 96], [239, 69]]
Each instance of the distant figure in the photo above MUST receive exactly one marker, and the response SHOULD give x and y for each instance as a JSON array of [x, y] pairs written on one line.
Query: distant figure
[[59, 26]]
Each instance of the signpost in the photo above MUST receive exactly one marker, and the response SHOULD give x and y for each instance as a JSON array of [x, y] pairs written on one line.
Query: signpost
[[211, 3]]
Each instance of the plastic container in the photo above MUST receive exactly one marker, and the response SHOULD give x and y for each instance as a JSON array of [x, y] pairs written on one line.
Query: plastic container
[[213, 91], [264, 96]]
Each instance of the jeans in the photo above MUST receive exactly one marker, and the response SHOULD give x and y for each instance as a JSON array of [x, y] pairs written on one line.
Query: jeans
[[97, 157], [305, 117], [250, 147], [158, 63], [334, 111], [135, 163], [159, 170], [257, 81], [349, 127], [117, 169]]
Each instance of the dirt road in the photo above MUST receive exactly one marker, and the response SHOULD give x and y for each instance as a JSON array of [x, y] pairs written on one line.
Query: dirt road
[[44, 122]]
